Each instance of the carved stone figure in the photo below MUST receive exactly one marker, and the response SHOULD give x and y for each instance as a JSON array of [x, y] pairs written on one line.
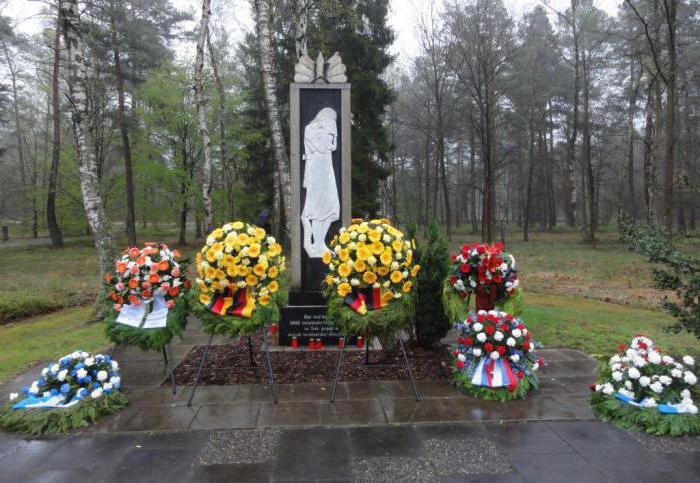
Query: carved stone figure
[[322, 205]]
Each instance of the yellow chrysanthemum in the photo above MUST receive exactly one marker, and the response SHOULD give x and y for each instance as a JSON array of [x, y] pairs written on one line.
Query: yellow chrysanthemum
[[217, 247], [363, 253], [387, 297], [204, 298], [407, 287], [275, 249], [415, 270], [203, 288], [360, 266], [211, 256], [397, 245], [383, 271], [344, 270], [344, 289], [396, 276], [217, 286], [328, 280], [232, 270], [259, 233], [259, 269], [409, 257], [386, 258], [369, 277], [273, 272], [210, 272], [251, 280], [374, 235], [363, 228], [357, 220], [344, 238], [228, 260], [243, 271], [218, 233], [242, 238], [273, 286], [231, 240], [254, 250], [264, 299], [198, 258], [237, 225], [326, 257], [344, 254], [377, 248]]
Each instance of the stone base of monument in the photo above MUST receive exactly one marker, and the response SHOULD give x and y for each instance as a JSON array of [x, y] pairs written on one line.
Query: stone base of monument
[[305, 319]]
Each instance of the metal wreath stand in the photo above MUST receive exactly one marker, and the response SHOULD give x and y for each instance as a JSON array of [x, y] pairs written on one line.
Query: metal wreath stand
[[367, 364], [167, 357], [266, 348]]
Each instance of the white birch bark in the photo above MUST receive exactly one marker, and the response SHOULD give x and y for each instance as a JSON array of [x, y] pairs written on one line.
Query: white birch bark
[[89, 182], [273, 116], [200, 101]]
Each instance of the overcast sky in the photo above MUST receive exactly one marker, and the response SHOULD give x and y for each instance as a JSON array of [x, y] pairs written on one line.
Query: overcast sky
[[236, 16]]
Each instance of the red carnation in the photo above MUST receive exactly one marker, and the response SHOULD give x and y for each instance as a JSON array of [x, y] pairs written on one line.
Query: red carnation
[[460, 364], [509, 317], [527, 336], [504, 328], [468, 341], [643, 345], [489, 329], [521, 374], [480, 318], [622, 347], [501, 349], [481, 250], [521, 326], [526, 346], [455, 353], [464, 268], [453, 280], [488, 347], [454, 258], [591, 387], [541, 361]]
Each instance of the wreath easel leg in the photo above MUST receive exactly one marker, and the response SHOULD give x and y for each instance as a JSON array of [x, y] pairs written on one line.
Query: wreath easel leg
[[169, 358], [199, 372], [408, 367], [337, 370], [269, 364]]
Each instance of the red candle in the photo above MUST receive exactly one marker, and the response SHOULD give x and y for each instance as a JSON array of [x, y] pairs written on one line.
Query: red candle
[[359, 342], [295, 343], [319, 344], [312, 344], [341, 342], [273, 329]]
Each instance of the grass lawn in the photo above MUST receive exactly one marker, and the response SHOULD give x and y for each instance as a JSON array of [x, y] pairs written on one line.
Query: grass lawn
[[597, 327], [46, 338]]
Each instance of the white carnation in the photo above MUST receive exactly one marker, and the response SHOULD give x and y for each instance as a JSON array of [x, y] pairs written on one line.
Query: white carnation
[[62, 375], [617, 376], [633, 373], [667, 359], [517, 333], [515, 358], [665, 380], [648, 402], [639, 361], [461, 358], [608, 388], [688, 360], [654, 357], [477, 327], [476, 351], [481, 337], [657, 387], [628, 384], [627, 393], [13, 396], [510, 342], [495, 355], [498, 335], [689, 378], [644, 381], [115, 366], [97, 393], [102, 376], [81, 373], [677, 373]]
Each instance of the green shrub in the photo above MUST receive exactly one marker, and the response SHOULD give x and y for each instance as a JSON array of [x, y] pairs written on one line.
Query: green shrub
[[433, 256], [14, 305]]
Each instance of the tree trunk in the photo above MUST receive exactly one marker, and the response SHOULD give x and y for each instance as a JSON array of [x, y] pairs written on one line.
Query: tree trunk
[[528, 189], [670, 7], [51, 220], [631, 111], [126, 145], [573, 135], [651, 136], [89, 182], [201, 102], [301, 21], [273, 116], [472, 176], [588, 225]]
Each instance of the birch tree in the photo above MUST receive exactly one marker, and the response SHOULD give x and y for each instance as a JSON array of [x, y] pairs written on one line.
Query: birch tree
[[51, 221], [200, 101], [78, 97], [283, 177]]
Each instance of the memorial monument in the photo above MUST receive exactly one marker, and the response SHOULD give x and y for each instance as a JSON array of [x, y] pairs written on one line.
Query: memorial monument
[[321, 200]]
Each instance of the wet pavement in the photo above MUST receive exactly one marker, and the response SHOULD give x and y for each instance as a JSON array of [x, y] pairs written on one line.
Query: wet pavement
[[375, 431]]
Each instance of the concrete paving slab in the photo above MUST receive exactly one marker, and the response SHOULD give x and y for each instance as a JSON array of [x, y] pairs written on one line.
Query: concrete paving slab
[[176, 418], [224, 416], [348, 413]]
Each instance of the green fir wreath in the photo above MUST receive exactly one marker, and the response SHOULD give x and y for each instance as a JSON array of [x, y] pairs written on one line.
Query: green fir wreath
[[60, 420], [233, 326], [526, 384], [386, 321], [646, 420], [147, 339]]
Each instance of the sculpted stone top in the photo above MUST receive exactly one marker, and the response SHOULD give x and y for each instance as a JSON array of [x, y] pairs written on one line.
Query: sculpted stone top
[[329, 71]]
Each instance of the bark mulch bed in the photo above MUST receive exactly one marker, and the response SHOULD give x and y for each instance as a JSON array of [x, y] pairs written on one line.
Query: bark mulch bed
[[230, 364]]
